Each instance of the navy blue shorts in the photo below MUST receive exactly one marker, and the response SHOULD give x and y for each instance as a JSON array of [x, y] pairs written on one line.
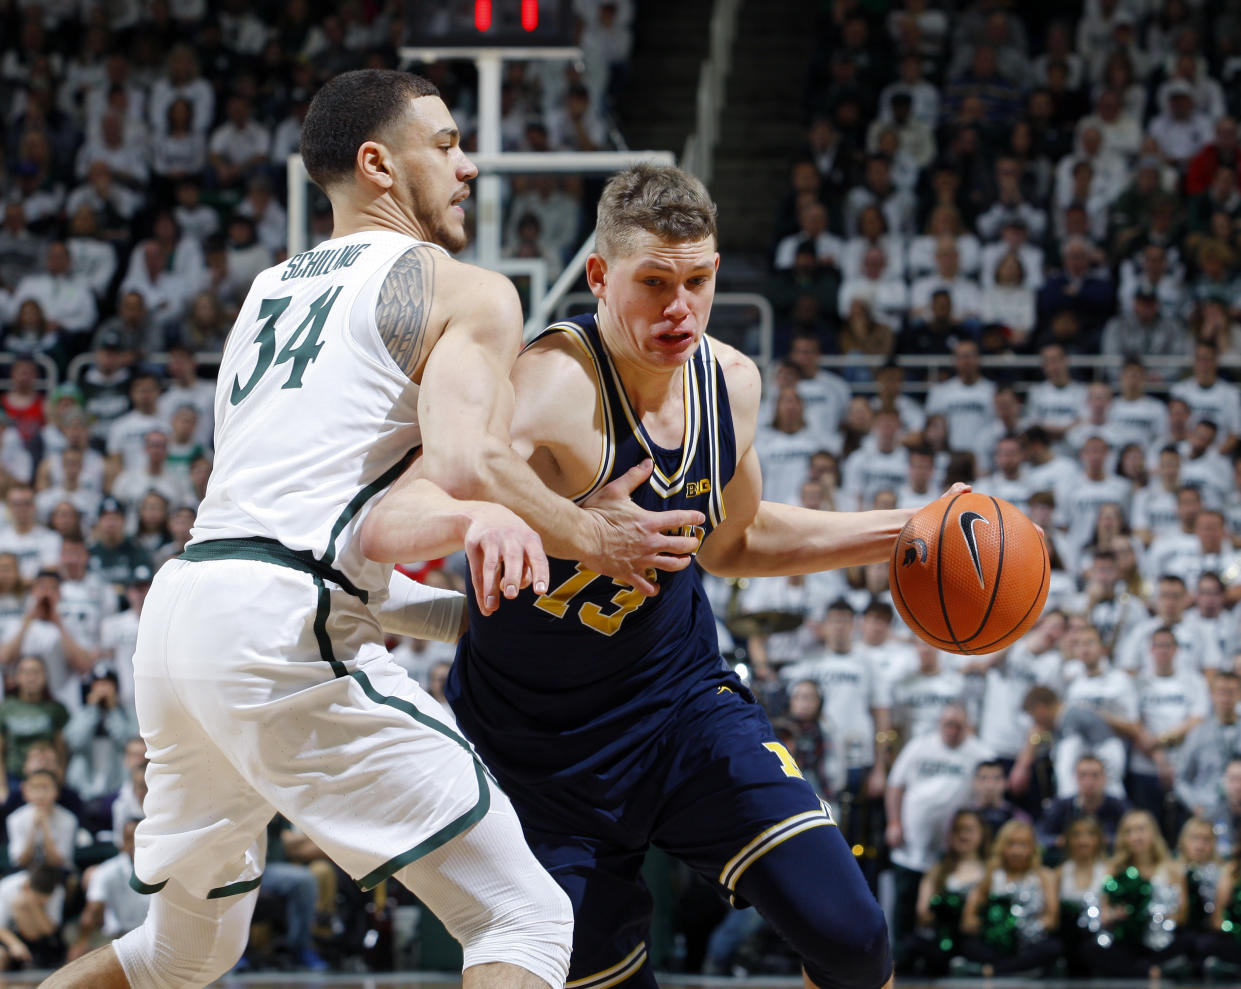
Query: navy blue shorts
[[720, 793]]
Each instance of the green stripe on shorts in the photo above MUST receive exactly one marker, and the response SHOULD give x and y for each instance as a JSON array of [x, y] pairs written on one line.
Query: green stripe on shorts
[[453, 827]]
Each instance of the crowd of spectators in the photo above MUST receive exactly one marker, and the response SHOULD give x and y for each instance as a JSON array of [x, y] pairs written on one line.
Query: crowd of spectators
[[143, 170], [1001, 174], [989, 182]]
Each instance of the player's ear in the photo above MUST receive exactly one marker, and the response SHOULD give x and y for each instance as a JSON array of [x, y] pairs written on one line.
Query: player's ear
[[596, 274], [374, 163]]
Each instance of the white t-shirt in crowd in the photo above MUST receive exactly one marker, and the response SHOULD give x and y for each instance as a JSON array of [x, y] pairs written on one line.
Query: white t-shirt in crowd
[[124, 909], [937, 781], [851, 688]]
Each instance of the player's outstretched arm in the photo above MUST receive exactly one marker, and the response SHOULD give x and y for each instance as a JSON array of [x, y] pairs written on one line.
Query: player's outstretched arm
[[465, 410], [769, 539], [417, 520]]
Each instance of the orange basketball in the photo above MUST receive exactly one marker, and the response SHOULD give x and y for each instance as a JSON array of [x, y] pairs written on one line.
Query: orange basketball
[[969, 574]]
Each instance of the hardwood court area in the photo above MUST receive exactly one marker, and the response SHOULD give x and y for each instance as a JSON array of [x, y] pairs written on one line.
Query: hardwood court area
[[438, 980]]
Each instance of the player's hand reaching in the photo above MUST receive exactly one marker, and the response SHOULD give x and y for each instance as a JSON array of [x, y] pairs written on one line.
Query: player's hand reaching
[[505, 555], [632, 540]]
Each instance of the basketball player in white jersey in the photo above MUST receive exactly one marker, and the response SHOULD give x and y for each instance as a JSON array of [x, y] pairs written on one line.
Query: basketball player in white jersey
[[262, 683]]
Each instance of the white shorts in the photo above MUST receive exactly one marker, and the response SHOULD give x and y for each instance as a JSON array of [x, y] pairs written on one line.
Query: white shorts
[[261, 689]]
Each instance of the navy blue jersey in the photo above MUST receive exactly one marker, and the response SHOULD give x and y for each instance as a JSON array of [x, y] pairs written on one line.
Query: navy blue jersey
[[581, 680]]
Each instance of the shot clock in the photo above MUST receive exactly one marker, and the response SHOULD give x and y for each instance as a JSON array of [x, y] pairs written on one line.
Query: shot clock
[[489, 23]]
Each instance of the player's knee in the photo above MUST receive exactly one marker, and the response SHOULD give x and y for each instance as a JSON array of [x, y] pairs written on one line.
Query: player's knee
[[534, 932], [853, 955], [184, 945]]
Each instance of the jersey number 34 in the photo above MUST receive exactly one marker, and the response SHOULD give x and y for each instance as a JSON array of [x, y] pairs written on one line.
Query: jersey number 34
[[301, 348]]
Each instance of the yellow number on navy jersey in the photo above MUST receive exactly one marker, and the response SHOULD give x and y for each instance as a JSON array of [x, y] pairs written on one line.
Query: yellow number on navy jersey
[[787, 762], [556, 602]]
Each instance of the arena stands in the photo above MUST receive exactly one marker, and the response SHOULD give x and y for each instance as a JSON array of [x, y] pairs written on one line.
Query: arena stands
[[1007, 251]]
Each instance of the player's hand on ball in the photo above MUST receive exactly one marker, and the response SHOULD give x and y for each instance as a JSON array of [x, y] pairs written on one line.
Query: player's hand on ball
[[505, 555], [630, 540]]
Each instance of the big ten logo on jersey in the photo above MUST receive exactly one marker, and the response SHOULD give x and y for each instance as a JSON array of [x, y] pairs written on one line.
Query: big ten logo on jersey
[[695, 488]]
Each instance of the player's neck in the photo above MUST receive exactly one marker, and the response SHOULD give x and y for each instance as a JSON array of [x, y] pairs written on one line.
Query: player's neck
[[658, 393], [378, 214]]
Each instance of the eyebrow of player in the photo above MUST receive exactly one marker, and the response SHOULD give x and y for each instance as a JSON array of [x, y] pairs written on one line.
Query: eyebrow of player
[[451, 133], [657, 264]]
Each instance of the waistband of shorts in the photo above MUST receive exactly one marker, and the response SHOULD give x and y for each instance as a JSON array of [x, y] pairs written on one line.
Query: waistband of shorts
[[266, 550]]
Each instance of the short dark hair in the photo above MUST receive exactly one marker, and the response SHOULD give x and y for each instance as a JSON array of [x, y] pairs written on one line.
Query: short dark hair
[[989, 764], [659, 199], [350, 109], [42, 772], [44, 879], [880, 609], [1037, 435], [1039, 694], [841, 604], [1211, 575]]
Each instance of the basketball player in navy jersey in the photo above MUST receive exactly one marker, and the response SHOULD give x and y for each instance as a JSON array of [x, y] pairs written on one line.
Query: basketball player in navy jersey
[[609, 717]]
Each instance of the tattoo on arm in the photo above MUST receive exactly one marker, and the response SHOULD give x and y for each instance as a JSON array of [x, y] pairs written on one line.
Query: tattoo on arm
[[405, 305]]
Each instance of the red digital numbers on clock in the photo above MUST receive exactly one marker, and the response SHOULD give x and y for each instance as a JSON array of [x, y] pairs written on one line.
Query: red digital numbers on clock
[[529, 14]]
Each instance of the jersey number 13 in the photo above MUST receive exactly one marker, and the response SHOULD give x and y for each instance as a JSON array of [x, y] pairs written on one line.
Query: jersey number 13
[[556, 602]]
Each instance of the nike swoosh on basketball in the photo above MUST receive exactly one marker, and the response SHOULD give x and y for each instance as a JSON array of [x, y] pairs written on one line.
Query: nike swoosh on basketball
[[968, 520]]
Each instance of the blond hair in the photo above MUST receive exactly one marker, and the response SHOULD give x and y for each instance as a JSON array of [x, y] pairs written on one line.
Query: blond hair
[[662, 200], [1123, 857], [996, 859]]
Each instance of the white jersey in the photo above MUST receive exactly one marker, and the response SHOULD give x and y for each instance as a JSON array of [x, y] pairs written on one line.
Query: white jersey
[[1197, 647], [851, 689], [1165, 703], [1221, 403], [83, 606], [785, 461], [38, 549], [1056, 406], [1079, 507], [967, 408], [1141, 420], [918, 700], [1154, 510], [1057, 475], [1223, 628], [306, 340], [868, 470], [1016, 492], [1210, 473], [936, 780], [1003, 724], [1111, 691]]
